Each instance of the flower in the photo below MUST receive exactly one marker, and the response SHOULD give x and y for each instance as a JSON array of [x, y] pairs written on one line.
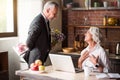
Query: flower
[[56, 37]]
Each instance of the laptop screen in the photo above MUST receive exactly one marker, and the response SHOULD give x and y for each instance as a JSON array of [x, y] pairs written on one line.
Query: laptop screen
[[62, 62]]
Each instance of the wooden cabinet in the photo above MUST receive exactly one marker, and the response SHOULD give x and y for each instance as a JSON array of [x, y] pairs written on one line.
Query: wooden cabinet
[[114, 63], [4, 72]]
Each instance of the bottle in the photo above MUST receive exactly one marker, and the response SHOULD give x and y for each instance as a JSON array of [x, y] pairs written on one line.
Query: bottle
[[105, 20], [88, 4], [118, 3], [77, 43]]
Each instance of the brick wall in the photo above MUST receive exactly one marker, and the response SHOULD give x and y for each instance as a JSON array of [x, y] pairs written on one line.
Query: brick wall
[[95, 18]]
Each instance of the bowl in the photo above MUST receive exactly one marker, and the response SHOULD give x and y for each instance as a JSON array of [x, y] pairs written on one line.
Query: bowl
[[68, 50], [112, 21]]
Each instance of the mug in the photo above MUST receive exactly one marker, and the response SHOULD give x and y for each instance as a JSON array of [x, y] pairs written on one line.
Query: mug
[[87, 71], [105, 4]]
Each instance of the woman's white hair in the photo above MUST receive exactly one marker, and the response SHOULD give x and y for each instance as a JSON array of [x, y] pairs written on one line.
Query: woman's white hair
[[96, 35]]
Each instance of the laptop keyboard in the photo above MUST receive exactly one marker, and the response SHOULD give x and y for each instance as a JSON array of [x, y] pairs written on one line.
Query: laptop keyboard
[[78, 70]]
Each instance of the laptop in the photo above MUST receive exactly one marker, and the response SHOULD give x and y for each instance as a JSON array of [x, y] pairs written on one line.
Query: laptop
[[63, 63]]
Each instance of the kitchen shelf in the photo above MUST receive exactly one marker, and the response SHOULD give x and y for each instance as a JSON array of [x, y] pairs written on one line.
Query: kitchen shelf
[[97, 8], [81, 26], [102, 27]]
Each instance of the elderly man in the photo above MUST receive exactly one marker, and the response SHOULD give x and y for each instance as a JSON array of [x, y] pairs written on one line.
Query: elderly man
[[39, 38]]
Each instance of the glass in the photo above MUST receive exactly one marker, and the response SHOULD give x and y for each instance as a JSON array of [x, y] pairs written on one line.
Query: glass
[[87, 71]]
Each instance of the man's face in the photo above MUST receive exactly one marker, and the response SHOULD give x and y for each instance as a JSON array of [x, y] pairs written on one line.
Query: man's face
[[52, 13]]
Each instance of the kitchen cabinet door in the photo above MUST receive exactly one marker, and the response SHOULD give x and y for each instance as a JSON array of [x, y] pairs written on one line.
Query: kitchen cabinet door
[[114, 64]]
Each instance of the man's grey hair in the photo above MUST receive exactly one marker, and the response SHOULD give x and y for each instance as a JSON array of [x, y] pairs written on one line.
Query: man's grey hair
[[50, 4], [96, 35]]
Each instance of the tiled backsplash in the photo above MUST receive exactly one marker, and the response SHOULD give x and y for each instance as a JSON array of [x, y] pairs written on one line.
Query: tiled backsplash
[[95, 17]]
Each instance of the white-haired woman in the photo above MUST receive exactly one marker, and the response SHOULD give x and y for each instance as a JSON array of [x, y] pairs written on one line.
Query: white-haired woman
[[93, 55]]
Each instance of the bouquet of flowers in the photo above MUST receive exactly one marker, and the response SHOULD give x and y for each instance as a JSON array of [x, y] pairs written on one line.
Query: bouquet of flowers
[[56, 37]]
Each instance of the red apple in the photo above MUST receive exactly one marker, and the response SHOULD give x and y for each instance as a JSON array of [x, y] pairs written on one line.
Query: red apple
[[34, 67], [38, 62]]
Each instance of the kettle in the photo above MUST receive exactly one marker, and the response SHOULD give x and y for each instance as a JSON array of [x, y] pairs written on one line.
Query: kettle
[[118, 49]]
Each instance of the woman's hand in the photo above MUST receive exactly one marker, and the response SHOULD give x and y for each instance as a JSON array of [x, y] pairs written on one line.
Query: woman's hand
[[82, 58], [93, 59]]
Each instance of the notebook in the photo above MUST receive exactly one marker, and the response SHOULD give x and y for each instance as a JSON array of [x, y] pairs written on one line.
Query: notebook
[[63, 63]]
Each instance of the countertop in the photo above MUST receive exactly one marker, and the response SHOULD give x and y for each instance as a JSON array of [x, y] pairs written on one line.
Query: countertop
[[51, 74], [114, 57]]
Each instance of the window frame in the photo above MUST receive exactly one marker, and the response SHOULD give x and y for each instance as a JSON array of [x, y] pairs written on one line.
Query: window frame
[[14, 33]]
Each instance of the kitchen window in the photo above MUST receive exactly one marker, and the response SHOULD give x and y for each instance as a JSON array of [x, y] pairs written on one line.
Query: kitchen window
[[8, 18]]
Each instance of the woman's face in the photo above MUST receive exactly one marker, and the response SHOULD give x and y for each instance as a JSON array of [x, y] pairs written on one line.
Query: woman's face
[[88, 36]]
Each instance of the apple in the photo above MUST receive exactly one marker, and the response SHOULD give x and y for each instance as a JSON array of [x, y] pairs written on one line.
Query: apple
[[41, 68], [34, 67], [38, 62]]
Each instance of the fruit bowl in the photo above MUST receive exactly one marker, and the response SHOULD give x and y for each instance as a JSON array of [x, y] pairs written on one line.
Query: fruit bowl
[[68, 50]]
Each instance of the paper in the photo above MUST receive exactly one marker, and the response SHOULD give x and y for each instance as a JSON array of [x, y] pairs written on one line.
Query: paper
[[101, 75], [114, 75], [108, 75]]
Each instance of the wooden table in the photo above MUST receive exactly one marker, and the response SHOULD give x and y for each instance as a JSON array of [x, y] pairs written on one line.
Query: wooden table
[[51, 74]]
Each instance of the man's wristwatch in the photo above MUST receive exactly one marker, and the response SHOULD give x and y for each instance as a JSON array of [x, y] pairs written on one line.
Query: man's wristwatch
[[97, 65]]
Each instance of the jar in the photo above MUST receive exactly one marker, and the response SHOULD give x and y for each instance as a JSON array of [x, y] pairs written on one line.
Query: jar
[[96, 4], [105, 20]]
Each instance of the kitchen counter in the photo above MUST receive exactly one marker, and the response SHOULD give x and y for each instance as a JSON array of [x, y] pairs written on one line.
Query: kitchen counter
[[114, 57], [51, 74]]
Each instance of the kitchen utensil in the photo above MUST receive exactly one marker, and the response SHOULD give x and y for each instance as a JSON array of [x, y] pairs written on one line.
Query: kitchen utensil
[[68, 49], [118, 48]]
